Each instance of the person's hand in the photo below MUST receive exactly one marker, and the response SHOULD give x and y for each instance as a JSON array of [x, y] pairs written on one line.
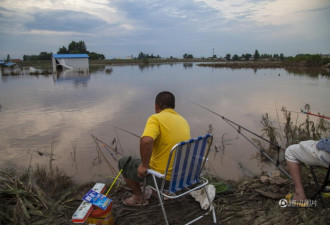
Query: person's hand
[[142, 171]]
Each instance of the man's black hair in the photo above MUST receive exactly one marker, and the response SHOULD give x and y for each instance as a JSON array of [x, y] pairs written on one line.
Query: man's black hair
[[165, 100]]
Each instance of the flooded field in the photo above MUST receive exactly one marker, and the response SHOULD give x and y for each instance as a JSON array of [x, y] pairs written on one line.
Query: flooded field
[[53, 117]]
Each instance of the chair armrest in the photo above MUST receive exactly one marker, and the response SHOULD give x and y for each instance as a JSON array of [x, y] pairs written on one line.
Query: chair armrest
[[157, 174]]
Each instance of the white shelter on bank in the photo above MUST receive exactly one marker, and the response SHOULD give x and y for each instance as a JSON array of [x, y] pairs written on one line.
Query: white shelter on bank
[[75, 62]]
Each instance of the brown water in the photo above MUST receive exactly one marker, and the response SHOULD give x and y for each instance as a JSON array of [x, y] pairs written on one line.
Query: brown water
[[40, 113]]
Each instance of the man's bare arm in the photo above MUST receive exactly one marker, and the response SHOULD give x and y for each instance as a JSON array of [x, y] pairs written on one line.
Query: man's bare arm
[[146, 146]]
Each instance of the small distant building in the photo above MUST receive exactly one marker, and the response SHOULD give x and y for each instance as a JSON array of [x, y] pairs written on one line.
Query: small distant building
[[7, 64], [9, 68], [75, 62]]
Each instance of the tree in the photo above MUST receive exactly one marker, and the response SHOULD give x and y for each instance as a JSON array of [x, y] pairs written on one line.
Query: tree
[[94, 55], [77, 47], [247, 56], [8, 57], [227, 57], [141, 55], [147, 56], [45, 56], [235, 57], [73, 48], [41, 56], [266, 56], [256, 55], [63, 50], [188, 56]]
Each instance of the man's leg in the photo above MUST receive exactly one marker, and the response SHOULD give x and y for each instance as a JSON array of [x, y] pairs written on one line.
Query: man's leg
[[131, 178], [295, 172], [136, 189]]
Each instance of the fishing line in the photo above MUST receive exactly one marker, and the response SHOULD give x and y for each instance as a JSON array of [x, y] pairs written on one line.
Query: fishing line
[[96, 140], [276, 163], [239, 126], [121, 147], [109, 164]]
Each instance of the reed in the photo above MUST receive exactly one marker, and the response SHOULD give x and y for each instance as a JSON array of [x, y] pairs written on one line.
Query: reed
[[292, 129]]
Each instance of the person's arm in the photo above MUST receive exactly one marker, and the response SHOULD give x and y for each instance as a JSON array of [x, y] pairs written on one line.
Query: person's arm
[[146, 146]]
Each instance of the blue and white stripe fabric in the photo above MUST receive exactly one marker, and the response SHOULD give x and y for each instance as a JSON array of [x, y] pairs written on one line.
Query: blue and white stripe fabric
[[188, 159]]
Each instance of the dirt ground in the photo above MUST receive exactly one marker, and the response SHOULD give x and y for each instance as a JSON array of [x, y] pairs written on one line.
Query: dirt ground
[[52, 198], [251, 201]]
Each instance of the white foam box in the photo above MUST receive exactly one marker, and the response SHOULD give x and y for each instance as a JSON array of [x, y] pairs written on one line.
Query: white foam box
[[85, 207]]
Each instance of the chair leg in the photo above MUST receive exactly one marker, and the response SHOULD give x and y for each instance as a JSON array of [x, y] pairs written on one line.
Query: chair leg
[[211, 206], [160, 199]]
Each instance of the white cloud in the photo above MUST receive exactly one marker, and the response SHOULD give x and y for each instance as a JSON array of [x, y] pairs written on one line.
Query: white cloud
[[169, 28], [276, 12], [99, 9]]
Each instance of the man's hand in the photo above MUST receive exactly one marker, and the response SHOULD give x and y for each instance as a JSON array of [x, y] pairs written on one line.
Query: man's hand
[[142, 171]]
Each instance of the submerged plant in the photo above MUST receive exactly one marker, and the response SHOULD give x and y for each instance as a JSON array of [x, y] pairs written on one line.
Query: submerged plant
[[289, 131], [293, 132]]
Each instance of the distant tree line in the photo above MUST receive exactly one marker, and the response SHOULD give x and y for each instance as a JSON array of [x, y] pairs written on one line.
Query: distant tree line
[[147, 56], [255, 56], [79, 48], [41, 56], [307, 60], [73, 48], [188, 56]]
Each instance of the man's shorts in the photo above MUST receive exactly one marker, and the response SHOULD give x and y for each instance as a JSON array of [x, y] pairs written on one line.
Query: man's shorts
[[131, 171], [306, 152]]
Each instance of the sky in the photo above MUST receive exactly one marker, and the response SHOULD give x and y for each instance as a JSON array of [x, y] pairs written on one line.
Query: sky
[[122, 28]]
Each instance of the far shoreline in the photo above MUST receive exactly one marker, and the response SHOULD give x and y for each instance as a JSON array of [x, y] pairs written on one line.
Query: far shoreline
[[295, 67]]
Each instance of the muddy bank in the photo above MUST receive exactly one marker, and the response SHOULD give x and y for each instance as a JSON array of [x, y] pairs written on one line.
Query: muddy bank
[[43, 197], [250, 201]]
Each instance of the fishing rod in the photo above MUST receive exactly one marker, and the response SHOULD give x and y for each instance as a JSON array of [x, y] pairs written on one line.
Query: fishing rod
[[240, 127], [276, 163], [128, 132], [312, 114], [109, 164], [107, 147], [118, 176]]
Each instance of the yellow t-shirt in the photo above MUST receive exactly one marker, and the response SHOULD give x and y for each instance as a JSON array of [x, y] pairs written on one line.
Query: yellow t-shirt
[[166, 128]]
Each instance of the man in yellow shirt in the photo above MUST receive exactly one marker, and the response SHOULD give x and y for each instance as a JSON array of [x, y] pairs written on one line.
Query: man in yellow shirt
[[163, 130]]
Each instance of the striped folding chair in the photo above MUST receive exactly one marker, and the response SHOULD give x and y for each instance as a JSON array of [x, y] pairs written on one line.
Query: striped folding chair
[[186, 162]]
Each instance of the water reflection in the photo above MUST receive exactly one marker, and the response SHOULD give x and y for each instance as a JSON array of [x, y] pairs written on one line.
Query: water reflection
[[37, 113], [149, 66], [188, 65], [78, 78], [311, 72]]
